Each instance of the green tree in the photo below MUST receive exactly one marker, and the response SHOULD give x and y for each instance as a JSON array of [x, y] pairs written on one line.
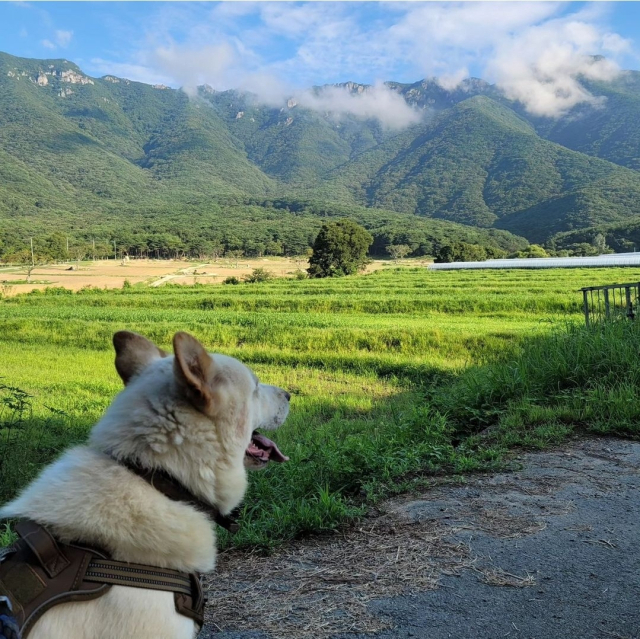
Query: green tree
[[273, 248], [235, 255], [340, 248], [398, 251], [494, 253], [533, 250], [599, 243], [461, 252]]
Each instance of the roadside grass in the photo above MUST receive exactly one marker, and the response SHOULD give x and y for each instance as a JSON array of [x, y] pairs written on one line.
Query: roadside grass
[[396, 377], [575, 379]]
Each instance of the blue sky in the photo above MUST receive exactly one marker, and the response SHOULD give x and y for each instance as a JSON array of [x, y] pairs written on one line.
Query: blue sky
[[277, 48]]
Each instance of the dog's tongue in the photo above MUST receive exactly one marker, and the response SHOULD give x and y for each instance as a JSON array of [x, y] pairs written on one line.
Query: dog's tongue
[[265, 449]]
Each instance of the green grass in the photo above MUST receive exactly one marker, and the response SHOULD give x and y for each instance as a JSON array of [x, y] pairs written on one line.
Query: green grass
[[395, 376]]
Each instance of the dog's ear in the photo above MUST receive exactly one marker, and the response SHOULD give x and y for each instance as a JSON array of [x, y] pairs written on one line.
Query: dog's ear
[[133, 354], [192, 368]]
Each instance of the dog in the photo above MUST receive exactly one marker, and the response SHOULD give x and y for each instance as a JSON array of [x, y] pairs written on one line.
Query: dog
[[193, 416]]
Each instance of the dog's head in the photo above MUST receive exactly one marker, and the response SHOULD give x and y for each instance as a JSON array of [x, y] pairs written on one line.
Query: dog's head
[[193, 414]]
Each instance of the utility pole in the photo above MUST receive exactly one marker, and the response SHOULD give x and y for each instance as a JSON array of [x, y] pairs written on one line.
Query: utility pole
[[93, 239], [33, 262], [67, 246], [115, 252]]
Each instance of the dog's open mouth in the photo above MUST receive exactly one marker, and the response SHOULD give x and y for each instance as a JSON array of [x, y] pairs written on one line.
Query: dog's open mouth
[[262, 449]]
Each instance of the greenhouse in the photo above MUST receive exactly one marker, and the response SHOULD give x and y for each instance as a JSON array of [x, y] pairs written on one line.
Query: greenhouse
[[596, 261]]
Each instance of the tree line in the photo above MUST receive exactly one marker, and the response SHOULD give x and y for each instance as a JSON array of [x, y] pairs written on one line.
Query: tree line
[[248, 229]]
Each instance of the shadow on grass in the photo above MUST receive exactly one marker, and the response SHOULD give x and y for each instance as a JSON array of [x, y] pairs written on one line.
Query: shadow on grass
[[26, 447], [345, 459]]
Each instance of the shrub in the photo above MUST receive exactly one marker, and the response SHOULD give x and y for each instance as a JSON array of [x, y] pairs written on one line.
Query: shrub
[[258, 275], [232, 279]]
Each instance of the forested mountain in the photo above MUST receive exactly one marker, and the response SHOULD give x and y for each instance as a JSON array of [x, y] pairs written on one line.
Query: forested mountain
[[97, 153]]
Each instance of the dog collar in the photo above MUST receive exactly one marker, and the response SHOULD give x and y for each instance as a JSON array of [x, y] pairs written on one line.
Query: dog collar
[[169, 486]]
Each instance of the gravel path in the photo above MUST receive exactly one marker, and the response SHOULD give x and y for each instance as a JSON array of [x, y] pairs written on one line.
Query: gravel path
[[546, 552]]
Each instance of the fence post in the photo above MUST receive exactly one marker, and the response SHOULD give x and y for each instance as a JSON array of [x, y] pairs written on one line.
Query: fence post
[[606, 303], [586, 306]]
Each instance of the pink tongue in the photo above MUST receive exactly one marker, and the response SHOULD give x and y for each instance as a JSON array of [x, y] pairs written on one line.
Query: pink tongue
[[269, 447]]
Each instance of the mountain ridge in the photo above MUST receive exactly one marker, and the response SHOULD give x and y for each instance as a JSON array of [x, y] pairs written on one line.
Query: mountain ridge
[[70, 142]]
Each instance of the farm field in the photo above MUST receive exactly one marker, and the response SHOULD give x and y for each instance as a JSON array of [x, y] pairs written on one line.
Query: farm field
[[387, 371], [113, 273]]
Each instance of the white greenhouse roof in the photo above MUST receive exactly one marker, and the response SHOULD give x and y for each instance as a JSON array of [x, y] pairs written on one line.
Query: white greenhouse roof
[[611, 259]]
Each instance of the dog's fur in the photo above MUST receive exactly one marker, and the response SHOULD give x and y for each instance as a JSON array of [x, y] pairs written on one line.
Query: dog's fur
[[192, 415]]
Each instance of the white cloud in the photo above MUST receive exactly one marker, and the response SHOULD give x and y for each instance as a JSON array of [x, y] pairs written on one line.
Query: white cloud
[[535, 51], [377, 102], [301, 21], [450, 81], [192, 67], [535, 56], [542, 66], [63, 38], [130, 71]]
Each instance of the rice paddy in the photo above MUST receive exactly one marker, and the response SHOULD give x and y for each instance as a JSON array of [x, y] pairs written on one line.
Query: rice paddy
[[388, 374]]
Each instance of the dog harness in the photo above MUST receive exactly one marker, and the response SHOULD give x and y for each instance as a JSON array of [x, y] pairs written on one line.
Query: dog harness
[[38, 572]]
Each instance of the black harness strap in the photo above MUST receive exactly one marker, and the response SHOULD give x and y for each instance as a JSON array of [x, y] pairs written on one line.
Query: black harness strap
[[120, 573]]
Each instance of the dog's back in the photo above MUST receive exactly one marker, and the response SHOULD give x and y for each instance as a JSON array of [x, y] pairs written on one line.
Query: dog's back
[[194, 417]]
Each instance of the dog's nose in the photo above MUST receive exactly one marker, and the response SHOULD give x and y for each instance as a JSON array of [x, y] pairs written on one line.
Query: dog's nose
[[287, 396]]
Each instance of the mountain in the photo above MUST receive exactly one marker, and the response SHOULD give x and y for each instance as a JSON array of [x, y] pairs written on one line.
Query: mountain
[[84, 151], [608, 130], [108, 143], [481, 164]]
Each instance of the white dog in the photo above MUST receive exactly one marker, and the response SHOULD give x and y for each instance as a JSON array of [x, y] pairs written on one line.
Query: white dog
[[193, 416]]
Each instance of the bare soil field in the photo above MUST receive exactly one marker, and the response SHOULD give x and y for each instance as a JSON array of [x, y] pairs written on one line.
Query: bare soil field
[[112, 273]]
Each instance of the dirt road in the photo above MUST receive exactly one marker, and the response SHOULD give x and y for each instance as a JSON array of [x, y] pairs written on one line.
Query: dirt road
[[549, 551]]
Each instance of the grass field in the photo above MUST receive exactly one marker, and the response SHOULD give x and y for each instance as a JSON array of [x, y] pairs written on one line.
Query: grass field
[[395, 376]]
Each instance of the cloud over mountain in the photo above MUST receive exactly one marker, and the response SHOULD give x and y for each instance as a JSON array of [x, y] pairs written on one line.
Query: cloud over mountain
[[376, 102], [536, 52]]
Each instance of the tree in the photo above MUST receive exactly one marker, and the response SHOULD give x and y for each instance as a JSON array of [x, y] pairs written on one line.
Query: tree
[[533, 250], [28, 260], [461, 252], [494, 253], [79, 252], [273, 248], [599, 243], [398, 251], [340, 248], [235, 255]]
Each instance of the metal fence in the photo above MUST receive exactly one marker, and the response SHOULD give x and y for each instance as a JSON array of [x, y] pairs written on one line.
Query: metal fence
[[616, 301]]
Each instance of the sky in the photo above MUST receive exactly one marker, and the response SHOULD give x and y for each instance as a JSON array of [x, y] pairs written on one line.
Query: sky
[[534, 51]]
